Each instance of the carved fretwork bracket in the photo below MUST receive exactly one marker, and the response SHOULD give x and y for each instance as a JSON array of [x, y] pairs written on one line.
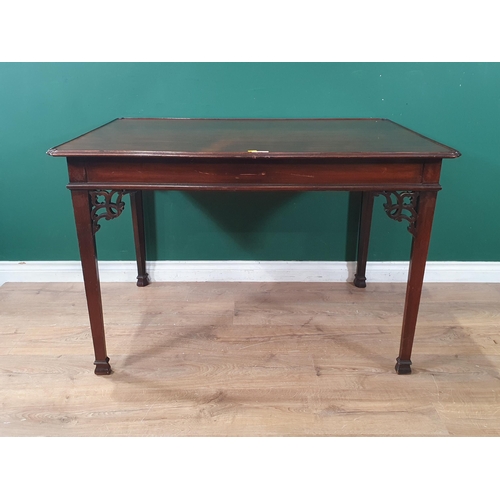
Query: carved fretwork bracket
[[105, 205], [401, 206]]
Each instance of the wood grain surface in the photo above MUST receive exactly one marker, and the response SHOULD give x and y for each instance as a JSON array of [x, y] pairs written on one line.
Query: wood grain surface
[[276, 138], [249, 359]]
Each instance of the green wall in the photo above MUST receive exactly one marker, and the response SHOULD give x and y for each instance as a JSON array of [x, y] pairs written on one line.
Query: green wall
[[45, 104]]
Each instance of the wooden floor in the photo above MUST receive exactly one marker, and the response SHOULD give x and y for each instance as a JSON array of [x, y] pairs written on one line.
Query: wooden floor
[[249, 359]]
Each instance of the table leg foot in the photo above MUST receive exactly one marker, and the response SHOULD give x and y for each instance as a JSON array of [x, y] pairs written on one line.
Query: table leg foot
[[403, 367], [143, 280], [359, 281], [102, 367]]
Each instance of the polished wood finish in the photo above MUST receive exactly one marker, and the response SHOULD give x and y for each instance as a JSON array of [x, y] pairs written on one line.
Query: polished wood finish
[[249, 359], [375, 156], [253, 174], [271, 138], [88, 253], [420, 248]]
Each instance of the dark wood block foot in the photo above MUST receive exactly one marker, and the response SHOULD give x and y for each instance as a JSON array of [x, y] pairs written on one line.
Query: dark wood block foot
[[403, 367], [102, 367], [359, 281], [143, 280]]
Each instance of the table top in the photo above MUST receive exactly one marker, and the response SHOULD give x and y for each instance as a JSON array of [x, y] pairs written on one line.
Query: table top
[[269, 138]]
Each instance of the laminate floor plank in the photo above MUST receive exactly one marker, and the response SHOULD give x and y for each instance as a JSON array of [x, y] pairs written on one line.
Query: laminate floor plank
[[249, 359]]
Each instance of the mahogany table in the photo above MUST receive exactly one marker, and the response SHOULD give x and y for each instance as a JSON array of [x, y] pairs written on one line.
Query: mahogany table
[[374, 156]]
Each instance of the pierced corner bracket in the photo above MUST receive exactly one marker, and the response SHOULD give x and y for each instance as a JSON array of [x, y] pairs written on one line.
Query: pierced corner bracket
[[401, 206], [105, 205]]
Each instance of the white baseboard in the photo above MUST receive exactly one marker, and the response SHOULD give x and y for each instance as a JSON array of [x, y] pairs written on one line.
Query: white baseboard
[[263, 271]]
